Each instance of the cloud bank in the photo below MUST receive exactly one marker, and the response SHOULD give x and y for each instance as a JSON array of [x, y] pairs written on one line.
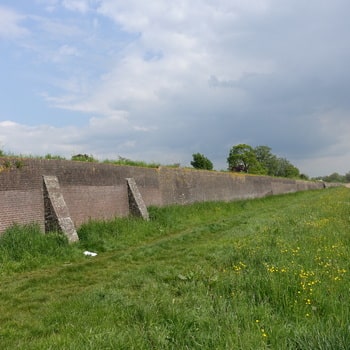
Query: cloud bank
[[161, 81]]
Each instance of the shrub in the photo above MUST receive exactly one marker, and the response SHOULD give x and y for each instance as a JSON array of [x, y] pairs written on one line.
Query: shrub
[[201, 162]]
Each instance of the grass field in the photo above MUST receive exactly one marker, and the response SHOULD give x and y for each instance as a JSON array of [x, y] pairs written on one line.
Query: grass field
[[269, 273]]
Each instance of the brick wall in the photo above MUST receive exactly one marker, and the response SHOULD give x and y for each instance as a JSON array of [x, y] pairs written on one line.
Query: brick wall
[[188, 185], [95, 202], [99, 191], [91, 191], [22, 207]]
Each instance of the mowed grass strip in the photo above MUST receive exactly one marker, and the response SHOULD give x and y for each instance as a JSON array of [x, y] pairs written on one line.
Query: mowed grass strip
[[269, 273]]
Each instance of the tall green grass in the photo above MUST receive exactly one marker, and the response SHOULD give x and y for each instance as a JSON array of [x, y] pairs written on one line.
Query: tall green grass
[[269, 273], [26, 247]]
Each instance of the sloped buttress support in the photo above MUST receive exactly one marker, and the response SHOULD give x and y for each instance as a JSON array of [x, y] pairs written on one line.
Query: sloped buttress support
[[137, 206], [57, 216]]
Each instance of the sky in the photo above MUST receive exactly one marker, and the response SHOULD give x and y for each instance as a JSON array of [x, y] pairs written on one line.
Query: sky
[[160, 80]]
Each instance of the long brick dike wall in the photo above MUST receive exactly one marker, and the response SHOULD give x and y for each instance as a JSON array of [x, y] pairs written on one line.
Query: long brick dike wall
[[100, 191]]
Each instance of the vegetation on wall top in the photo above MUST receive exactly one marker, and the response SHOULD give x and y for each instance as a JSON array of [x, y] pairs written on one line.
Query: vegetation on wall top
[[91, 159], [242, 158]]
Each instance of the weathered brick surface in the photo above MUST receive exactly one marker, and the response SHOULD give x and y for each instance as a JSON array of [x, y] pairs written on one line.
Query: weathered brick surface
[[95, 202], [187, 186], [22, 207], [99, 191], [90, 190]]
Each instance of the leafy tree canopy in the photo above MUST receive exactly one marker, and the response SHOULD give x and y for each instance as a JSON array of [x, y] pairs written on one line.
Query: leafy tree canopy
[[242, 158], [201, 162], [259, 160]]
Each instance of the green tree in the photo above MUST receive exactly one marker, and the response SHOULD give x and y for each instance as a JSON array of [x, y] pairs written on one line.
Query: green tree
[[335, 177], [242, 158], [286, 169], [267, 160], [201, 162], [260, 160], [304, 177]]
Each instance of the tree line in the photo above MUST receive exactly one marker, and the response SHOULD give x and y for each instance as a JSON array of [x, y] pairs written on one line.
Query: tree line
[[335, 177], [252, 160]]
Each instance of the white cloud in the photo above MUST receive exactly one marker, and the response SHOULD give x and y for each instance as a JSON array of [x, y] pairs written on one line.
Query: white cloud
[[108, 137], [76, 5], [65, 51], [50, 5], [109, 124], [10, 24], [8, 124], [176, 51], [56, 28], [23, 139]]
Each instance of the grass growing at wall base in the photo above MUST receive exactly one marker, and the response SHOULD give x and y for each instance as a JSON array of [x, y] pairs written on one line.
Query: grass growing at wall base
[[24, 248], [270, 273]]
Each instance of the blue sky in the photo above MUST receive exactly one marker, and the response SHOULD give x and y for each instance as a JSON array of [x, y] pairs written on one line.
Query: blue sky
[[161, 80]]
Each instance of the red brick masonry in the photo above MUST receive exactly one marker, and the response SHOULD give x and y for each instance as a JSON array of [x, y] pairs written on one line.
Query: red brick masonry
[[99, 191]]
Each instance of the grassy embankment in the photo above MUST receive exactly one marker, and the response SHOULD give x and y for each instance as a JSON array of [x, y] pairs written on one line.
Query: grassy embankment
[[270, 273]]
